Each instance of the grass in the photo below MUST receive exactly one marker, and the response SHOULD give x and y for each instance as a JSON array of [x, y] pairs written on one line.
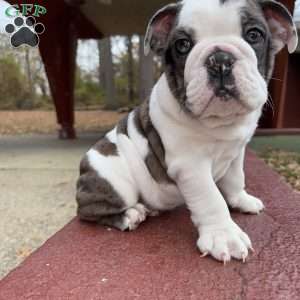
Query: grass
[[281, 153]]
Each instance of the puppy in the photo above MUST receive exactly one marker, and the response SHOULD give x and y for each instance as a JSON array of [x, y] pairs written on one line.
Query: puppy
[[186, 144]]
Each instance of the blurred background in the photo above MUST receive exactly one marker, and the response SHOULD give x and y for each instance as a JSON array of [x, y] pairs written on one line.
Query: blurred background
[[112, 75], [90, 66], [88, 71]]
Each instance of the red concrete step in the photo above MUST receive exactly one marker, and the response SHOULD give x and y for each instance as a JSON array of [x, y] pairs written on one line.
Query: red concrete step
[[160, 259]]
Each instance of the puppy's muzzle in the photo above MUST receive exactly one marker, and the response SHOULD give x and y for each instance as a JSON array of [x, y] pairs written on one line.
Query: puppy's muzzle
[[220, 66]]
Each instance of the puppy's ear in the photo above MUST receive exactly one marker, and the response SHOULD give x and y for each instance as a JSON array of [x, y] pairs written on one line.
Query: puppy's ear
[[159, 28], [281, 24]]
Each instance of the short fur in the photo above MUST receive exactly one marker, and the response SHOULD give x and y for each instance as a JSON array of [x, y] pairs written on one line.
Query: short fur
[[185, 145]]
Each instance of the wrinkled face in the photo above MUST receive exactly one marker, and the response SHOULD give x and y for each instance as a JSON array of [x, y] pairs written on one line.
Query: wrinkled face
[[218, 55]]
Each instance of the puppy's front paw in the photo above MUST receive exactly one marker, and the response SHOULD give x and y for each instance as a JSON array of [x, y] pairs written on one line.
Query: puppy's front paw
[[246, 203], [224, 241]]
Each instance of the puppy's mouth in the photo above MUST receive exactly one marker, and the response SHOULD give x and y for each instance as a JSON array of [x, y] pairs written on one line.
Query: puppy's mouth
[[223, 104], [229, 116], [226, 93]]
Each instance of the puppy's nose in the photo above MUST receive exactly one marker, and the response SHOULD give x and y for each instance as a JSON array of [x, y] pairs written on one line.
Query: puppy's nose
[[220, 64]]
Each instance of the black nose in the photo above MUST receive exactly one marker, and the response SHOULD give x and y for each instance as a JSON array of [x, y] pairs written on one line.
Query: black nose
[[220, 64]]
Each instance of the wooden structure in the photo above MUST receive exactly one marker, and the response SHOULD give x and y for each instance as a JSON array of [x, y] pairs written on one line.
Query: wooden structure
[[69, 20]]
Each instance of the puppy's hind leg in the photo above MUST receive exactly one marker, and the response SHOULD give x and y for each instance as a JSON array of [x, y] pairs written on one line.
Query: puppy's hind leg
[[99, 202], [129, 220]]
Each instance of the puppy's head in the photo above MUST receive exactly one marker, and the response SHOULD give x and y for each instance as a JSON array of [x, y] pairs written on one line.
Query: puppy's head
[[219, 54]]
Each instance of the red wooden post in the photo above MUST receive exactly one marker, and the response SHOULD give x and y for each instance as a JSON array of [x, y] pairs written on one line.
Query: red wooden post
[[58, 51]]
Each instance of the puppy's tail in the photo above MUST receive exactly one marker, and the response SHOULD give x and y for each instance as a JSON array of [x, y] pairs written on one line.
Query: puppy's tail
[[148, 187]]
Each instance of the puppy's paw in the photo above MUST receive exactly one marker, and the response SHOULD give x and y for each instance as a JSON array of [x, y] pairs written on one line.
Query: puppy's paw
[[224, 241], [134, 217], [246, 203]]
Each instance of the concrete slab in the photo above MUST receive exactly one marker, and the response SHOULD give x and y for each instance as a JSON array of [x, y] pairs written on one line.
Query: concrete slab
[[37, 179], [160, 259]]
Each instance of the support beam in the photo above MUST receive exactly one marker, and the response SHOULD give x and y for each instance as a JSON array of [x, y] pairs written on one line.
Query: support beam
[[58, 51]]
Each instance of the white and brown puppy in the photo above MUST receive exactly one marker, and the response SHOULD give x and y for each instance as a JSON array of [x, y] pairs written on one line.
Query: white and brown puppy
[[186, 145]]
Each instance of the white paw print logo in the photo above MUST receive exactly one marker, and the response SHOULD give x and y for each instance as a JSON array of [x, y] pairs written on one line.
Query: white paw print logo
[[24, 31]]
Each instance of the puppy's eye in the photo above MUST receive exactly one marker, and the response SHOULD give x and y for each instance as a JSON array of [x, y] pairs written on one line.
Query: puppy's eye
[[183, 46], [254, 36]]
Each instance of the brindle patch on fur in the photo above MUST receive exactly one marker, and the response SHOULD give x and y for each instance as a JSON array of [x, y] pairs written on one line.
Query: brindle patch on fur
[[252, 16], [96, 198], [174, 64], [122, 127], [155, 159], [106, 147]]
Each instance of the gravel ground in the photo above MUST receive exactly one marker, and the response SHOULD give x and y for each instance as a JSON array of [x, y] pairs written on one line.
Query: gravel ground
[[37, 192], [38, 176]]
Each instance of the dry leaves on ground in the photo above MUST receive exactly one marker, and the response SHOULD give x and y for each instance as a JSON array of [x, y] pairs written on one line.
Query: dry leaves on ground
[[30, 122]]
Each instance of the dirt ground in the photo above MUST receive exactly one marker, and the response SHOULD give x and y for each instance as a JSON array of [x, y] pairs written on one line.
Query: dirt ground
[[30, 122]]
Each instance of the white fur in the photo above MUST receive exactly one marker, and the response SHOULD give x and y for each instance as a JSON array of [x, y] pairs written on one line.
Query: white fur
[[115, 170], [158, 196], [206, 150], [197, 159], [134, 216], [250, 84], [204, 155], [211, 19], [140, 142]]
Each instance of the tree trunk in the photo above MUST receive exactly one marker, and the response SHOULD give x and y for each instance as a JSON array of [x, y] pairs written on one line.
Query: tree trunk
[[106, 73], [101, 49], [29, 72], [146, 72], [130, 69]]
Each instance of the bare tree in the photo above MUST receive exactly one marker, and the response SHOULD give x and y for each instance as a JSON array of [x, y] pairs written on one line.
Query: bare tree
[[146, 71], [106, 73], [28, 70], [101, 50], [130, 67]]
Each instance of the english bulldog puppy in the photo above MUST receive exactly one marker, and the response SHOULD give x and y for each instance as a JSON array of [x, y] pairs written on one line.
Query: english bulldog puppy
[[186, 144]]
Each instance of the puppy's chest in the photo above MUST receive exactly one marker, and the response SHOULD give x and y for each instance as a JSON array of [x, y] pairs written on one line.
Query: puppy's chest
[[197, 154], [222, 157]]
